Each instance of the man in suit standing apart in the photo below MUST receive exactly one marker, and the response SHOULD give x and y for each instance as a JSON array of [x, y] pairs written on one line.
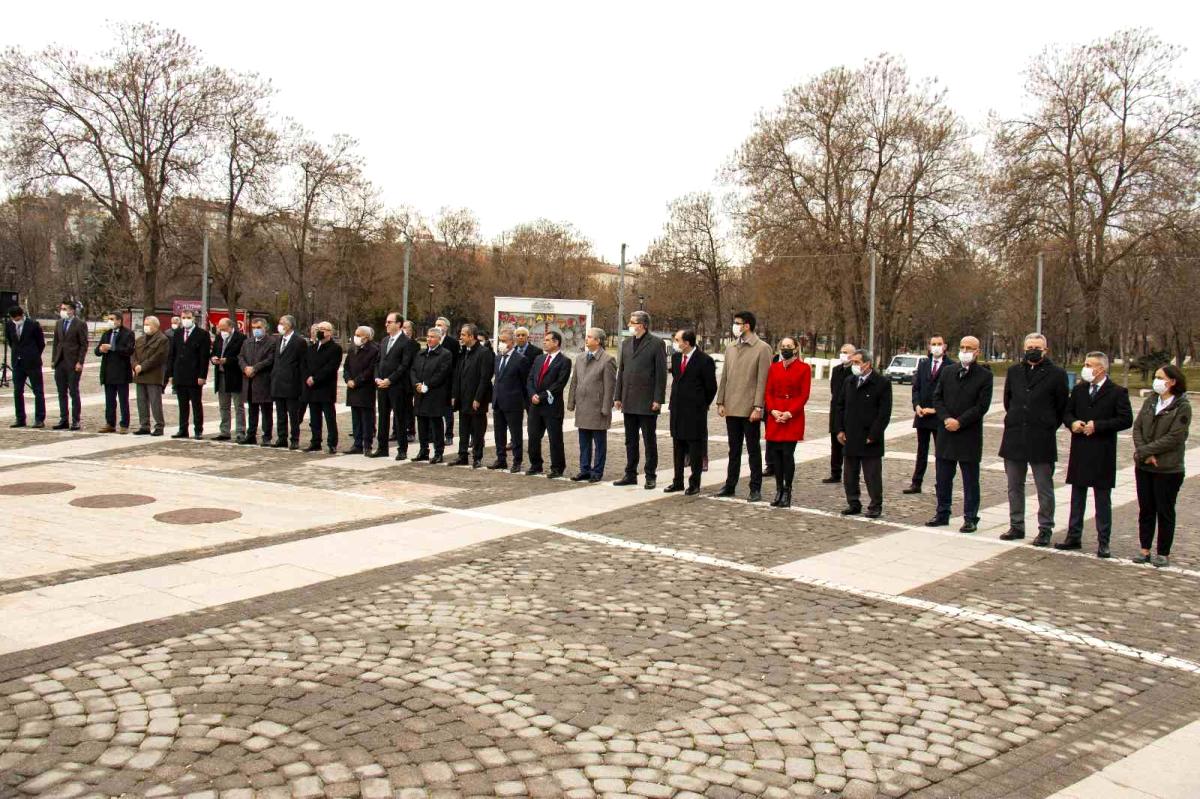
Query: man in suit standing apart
[[67, 357], [509, 401], [27, 342], [548, 378], [740, 399], [431, 374], [287, 383], [150, 354], [925, 415], [837, 383], [1035, 396], [962, 398], [590, 395], [322, 362], [1097, 410], [257, 360], [693, 388], [116, 372], [862, 419], [641, 392], [227, 346], [187, 368], [471, 395], [393, 387]]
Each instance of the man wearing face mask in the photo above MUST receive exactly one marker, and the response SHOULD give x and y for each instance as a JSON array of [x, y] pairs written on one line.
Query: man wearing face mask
[[837, 383], [1035, 397], [431, 373], [925, 415], [188, 371], [393, 388], [693, 389], [228, 383], [149, 372], [471, 393], [359, 373], [322, 359], [256, 360], [962, 398], [640, 392], [116, 372], [28, 343], [590, 394], [67, 357], [1097, 410], [740, 393], [451, 345], [508, 401], [287, 383], [864, 416]]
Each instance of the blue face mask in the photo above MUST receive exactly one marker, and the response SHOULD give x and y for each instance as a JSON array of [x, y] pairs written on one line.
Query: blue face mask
[[259, 332]]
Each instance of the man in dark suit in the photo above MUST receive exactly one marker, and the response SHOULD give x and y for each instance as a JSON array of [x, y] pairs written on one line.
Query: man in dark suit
[[115, 351], [228, 379], [509, 401], [67, 357], [287, 383], [451, 345], [1035, 396], [27, 343], [257, 360], [861, 421], [641, 392], [548, 378], [187, 369], [322, 360], [431, 375], [1097, 410], [837, 383], [693, 388], [924, 414], [962, 398], [393, 387], [524, 347], [471, 395]]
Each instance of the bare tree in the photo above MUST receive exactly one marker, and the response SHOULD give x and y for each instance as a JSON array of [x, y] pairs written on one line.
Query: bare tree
[[693, 243]]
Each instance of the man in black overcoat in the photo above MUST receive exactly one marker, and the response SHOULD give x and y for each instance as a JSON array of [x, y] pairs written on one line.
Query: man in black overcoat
[[187, 368], [962, 398], [509, 401], [431, 374], [322, 362], [925, 419], [472, 394], [693, 388], [837, 383], [394, 387], [861, 420], [115, 350], [287, 382], [28, 342]]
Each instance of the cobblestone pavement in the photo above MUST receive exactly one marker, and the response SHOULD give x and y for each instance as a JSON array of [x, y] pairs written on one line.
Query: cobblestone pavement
[[606, 643]]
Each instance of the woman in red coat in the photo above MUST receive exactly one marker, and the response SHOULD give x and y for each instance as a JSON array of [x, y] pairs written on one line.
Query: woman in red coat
[[788, 384]]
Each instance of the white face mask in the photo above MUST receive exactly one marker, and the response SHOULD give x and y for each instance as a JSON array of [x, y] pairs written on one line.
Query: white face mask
[[174, 325], [63, 315], [225, 334], [856, 369], [936, 350], [675, 346], [280, 328], [502, 347], [1086, 374], [966, 358], [1160, 386], [633, 330], [736, 330], [843, 357], [358, 341], [147, 329], [188, 324]]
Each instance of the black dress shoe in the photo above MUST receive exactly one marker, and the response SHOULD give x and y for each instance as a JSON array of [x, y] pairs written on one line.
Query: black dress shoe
[[691, 491], [831, 479], [421, 456], [626, 481], [459, 461], [1103, 552], [650, 484], [158, 432], [379, 453], [436, 459], [498, 465], [915, 488], [968, 527], [61, 426], [76, 427], [554, 475], [17, 424], [476, 464], [778, 496], [401, 456], [786, 500], [221, 437], [579, 478], [673, 488], [595, 478], [872, 513], [727, 492], [38, 425], [198, 436], [938, 521], [755, 496], [1043, 539], [1013, 535], [142, 431], [180, 434], [852, 510], [514, 469], [313, 448], [531, 472], [295, 445], [1069, 545], [279, 444], [355, 451]]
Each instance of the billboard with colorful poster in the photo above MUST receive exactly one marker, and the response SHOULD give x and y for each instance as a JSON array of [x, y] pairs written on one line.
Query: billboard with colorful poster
[[214, 314], [571, 318]]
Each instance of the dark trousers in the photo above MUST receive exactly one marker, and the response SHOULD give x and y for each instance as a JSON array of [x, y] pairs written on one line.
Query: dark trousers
[[835, 456], [782, 457], [945, 487], [66, 379], [509, 426], [1156, 495], [450, 424], [190, 404], [593, 452], [472, 430], [114, 394], [362, 426], [395, 412], [741, 429], [541, 424], [36, 385], [925, 435], [1103, 513], [644, 425], [690, 452], [287, 419], [431, 431], [316, 410], [872, 473], [253, 412]]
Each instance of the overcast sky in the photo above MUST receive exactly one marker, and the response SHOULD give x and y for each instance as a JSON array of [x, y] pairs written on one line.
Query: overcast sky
[[594, 113]]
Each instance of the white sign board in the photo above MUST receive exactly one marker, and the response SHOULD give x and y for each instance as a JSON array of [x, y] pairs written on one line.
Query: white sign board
[[571, 318]]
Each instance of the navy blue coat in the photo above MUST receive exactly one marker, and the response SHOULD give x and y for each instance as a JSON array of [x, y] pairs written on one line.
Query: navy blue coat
[[116, 366], [508, 390], [26, 350], [965, 397]]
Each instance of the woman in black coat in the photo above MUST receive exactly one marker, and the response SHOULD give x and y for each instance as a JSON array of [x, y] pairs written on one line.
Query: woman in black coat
[[359, 374]]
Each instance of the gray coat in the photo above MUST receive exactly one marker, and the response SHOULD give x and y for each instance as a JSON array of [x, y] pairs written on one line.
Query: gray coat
[[642, 376], [591, 391], [259, 354]]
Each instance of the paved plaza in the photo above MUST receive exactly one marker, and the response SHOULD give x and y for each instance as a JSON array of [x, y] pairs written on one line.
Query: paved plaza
[[192, 618]]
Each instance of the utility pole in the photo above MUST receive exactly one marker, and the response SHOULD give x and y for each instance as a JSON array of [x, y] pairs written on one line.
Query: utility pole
[[1037, 325], [620, 303], [871, 316], [407, 264], [204, 286]]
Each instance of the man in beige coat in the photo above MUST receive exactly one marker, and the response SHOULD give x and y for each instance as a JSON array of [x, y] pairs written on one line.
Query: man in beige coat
[[740, 400], [590, 395], [149, 375]]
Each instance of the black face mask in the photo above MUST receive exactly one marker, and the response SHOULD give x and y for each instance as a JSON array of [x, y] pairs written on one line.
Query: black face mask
[[320, 335], [1034, 356], [787, 353]]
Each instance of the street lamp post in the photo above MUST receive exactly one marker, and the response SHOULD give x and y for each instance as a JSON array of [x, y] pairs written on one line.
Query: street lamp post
[[431, 304], [311, 312], [277, 303], [641, 302], [1067, 342], [1146, 334]]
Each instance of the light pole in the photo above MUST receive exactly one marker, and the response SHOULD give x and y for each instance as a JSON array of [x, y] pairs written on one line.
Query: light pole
[[311, 313], [431, 320], [276, 303], [1067, 311], [641, 302], [1146, 334]]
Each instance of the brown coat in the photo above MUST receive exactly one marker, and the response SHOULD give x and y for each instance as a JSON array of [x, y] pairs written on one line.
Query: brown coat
[[150, 352], [591, 391], [744, 376]]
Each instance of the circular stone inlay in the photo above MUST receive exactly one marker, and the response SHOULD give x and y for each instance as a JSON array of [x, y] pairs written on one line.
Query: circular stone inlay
[[112, 501], [28, 489], [197, 516]]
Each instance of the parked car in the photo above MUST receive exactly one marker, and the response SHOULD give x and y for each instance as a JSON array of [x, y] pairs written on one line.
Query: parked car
[[902, 368]]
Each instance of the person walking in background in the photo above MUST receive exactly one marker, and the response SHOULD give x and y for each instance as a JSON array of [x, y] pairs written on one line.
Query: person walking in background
[[150, 353], [740, 401], [28, 342], [962, 398], [590, 395], [1160, 439], [1097, 410], [115, 350], [789, 383], [837, 384], [693, 389], [67, 357], [641, 392], [924, 414], [256, 360], [359, 374]]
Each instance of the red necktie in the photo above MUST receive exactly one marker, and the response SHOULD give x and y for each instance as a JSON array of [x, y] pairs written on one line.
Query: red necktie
[[185, 335], [937, 365], [683, 366], [545, 368]]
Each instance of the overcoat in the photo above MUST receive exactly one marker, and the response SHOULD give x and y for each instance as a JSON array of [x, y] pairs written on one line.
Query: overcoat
[[965, 394], [591, 391], [433, 367], [1034, 400], [865, 412], [360, 367], [787, 389], [259, 355], [642, 375], [1093, 459], [692, 394]]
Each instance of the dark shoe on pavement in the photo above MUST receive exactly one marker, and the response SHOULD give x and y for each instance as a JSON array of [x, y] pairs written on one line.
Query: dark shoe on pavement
[[650, 484], [786, 500], [673, 488], [691, 491], [554, 475], [459, 461], [938, 521], [436, 459], [1043, 539], [198, 436], [1103, 552], [220, 437], [17, 424], [180, 434], [1012, 535], [852, 510], [579, 478], [832, 479], [142, 431], [778, 496], [313, 448], [421, 456], [498, 465], [755, 496], [514, 469], [595, 478], [157, 432], [295, 445], [401, 456], [76, 426], [1160, 561], [626, 481], [1142, 559], [355, 451], [872, 513], [107, 429], [768, 471], [449, 440], [1069, 544], [378, 453], [123, 429], [969, 527], [38, 425], [727, 491], [915, 488], [61, 426], [530, 472]]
